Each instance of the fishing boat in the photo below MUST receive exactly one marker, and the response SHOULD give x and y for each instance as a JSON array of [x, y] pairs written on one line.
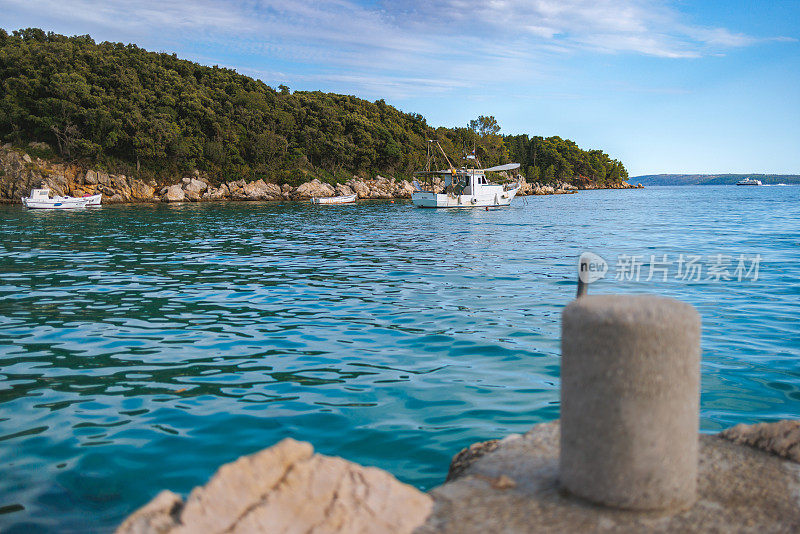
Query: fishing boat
[[40, 199], [342, 199], [749, 181], [465, 187]]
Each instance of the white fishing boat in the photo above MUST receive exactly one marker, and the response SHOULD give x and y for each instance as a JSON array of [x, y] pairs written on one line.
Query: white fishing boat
[[749, 181], [462, 188], [40, 199], [342, 199]]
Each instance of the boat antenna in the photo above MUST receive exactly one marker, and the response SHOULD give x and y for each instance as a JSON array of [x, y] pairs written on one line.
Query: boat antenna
[[428, 156]]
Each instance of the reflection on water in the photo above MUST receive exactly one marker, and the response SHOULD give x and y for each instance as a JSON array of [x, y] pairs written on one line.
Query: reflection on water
[[143, 346]]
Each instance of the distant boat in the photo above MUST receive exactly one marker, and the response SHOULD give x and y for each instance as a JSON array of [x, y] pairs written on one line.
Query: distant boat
[[342, 199], [463, 187], [748, 181], [40, 199]]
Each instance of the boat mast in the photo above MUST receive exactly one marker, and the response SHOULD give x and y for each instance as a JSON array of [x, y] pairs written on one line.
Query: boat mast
[[450, 165]]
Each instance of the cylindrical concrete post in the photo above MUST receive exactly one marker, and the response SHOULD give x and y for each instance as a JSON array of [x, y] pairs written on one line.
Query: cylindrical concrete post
[[630, 389]]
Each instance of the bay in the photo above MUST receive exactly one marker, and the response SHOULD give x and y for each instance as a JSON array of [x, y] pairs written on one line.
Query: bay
[[142, 346]]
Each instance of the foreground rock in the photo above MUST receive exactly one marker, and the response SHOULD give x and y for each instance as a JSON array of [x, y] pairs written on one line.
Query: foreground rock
[[781, 438], [287, 489], [514, 488]]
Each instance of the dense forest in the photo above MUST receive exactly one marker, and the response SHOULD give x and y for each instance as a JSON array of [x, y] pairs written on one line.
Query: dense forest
[[149, 114]]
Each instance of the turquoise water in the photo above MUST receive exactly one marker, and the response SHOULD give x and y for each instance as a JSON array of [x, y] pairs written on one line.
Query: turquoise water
[[143, 346]]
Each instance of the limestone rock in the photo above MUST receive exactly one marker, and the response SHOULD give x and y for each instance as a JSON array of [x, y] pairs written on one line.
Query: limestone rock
[[781, 438], [157, 516], [343, 190], [260, 190], [220, 193], [26, 158], [404, 189], [236, 189], [174, 193], [288, 489], [140, 190], [191, 195], [515, 489], [194, 185], [359, 187], [313, 189], [120, 185], [468, 456], [90, 178]]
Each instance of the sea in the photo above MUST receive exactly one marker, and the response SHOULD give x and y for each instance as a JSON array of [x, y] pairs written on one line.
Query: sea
[[143, 346]]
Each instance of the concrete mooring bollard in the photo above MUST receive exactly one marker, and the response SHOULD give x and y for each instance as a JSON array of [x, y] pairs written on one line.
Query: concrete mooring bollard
[[630, 388]]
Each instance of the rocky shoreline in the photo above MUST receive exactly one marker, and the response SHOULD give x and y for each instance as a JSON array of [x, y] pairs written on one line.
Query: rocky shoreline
[[19, 173], [748, 475]]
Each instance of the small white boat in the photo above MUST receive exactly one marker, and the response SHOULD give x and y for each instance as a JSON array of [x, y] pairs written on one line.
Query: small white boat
[[464, 187], [93, 200], [343, 199], [40, 199], [748, 181]]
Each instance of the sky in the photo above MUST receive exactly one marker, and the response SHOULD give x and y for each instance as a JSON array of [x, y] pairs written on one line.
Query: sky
[[664, 86]]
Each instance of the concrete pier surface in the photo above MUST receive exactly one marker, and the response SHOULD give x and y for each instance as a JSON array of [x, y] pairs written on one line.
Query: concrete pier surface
[[515, 489]]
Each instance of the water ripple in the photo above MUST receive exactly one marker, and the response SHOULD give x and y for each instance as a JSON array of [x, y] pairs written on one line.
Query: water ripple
[[143, 346]]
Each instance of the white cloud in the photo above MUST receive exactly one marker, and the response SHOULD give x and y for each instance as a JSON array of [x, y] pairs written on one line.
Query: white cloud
[[395, 46]]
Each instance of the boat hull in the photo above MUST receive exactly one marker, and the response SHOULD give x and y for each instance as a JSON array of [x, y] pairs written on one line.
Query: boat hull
[[494, 198], [67, 203], [344, 199], [94, 200]]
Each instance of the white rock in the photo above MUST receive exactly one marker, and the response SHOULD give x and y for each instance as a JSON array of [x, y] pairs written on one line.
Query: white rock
[[174, 193]]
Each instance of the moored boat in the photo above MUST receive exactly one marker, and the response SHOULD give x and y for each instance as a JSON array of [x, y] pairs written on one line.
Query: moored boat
[[342, 199], [463, 187], [40, 199]]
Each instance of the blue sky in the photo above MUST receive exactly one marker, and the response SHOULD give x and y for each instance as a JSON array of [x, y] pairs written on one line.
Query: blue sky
[[664, 86]]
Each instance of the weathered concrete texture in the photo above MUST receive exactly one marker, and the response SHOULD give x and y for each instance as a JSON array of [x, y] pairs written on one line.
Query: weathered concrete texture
[[287, 489], [515, 489], [781, 438], [630, 391]]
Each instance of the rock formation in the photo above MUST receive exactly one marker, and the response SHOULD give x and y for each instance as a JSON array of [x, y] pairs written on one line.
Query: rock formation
[[781, 438], [508, 485], [287, 489], [19, 173]]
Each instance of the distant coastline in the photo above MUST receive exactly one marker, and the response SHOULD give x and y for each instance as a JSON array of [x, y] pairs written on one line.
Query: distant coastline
[[714, 179]]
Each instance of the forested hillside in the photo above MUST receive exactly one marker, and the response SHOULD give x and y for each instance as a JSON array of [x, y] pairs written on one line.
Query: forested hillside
[[149, 114], [715, 179]]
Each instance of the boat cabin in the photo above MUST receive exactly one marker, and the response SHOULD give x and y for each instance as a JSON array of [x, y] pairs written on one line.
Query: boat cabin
[[40, 194]]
